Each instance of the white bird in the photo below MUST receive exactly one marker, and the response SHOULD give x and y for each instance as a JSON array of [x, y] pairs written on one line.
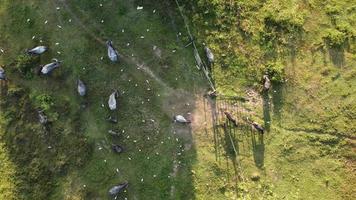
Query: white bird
[[180, 119], [112, 53], [82, 89], [50, 67], [209, 55], [37, 50], [2, 74], [112, 100]]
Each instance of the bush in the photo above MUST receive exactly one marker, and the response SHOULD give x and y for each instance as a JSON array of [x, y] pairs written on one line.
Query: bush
[[275, 70], [25, 64], [44, 102], [335, 38]]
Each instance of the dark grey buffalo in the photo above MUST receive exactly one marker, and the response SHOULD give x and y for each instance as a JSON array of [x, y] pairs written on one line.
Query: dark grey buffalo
[[42, 117], [112, 53], [258, 127], [112, 120], [114, 133], [2, 74], [230, 118], [37, 50], [114, 191], [47, 69], [117, 148], [82, 89]]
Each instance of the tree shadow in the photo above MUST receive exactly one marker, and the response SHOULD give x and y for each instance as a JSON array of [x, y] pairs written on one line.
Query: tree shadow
[[258, 149], [266, 110], [277, 100], [337, 56]]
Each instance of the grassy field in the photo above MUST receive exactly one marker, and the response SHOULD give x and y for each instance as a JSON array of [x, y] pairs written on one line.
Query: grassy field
[[308, 48], [152, 86]]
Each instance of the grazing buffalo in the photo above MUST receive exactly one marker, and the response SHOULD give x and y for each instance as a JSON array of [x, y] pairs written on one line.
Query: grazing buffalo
[[37, 50], [267, 83], [258, 127], [230, 118], [180, 119], [47, 69], [112, 120], [82, 89], [112, 53], [114, 191], [209, 55], [212, 93], [2, 74], [113, 133], [117, 148], [112, 100]]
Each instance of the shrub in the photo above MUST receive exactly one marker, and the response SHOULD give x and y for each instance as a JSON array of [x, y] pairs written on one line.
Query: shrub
[[275, 69], [25, 64], [335, 38], [44, 102]]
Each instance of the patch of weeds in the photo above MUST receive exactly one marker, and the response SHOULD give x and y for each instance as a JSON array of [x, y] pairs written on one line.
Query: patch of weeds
[[335, 38], [275, 69], [25, 65]]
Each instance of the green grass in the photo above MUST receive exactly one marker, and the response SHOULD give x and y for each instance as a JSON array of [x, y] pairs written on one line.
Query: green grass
[[311, 110], [150, 147]]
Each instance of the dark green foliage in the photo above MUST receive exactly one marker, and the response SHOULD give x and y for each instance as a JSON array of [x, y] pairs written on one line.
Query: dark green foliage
[[44, 101], [40, 153], [335, 38], [275, 70], [25, 64]]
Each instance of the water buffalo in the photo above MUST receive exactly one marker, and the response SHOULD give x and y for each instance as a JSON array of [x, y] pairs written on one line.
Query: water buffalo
[[37, 50], [267, 83], [113, 133], [180, 119], [42, 117], [230, 118], [114, 191], [212, 93], [82, 89], [258, 127], [2, 74], [112, 100], [112, 120], [209, 55], [47, 69], [117, 148], [112, 53]]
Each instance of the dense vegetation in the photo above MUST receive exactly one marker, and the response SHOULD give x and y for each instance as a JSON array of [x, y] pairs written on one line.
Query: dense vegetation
[[40, 152], [251, 38]]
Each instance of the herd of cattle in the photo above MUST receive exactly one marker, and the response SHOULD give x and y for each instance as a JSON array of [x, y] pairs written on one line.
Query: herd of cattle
[[113, 55]]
